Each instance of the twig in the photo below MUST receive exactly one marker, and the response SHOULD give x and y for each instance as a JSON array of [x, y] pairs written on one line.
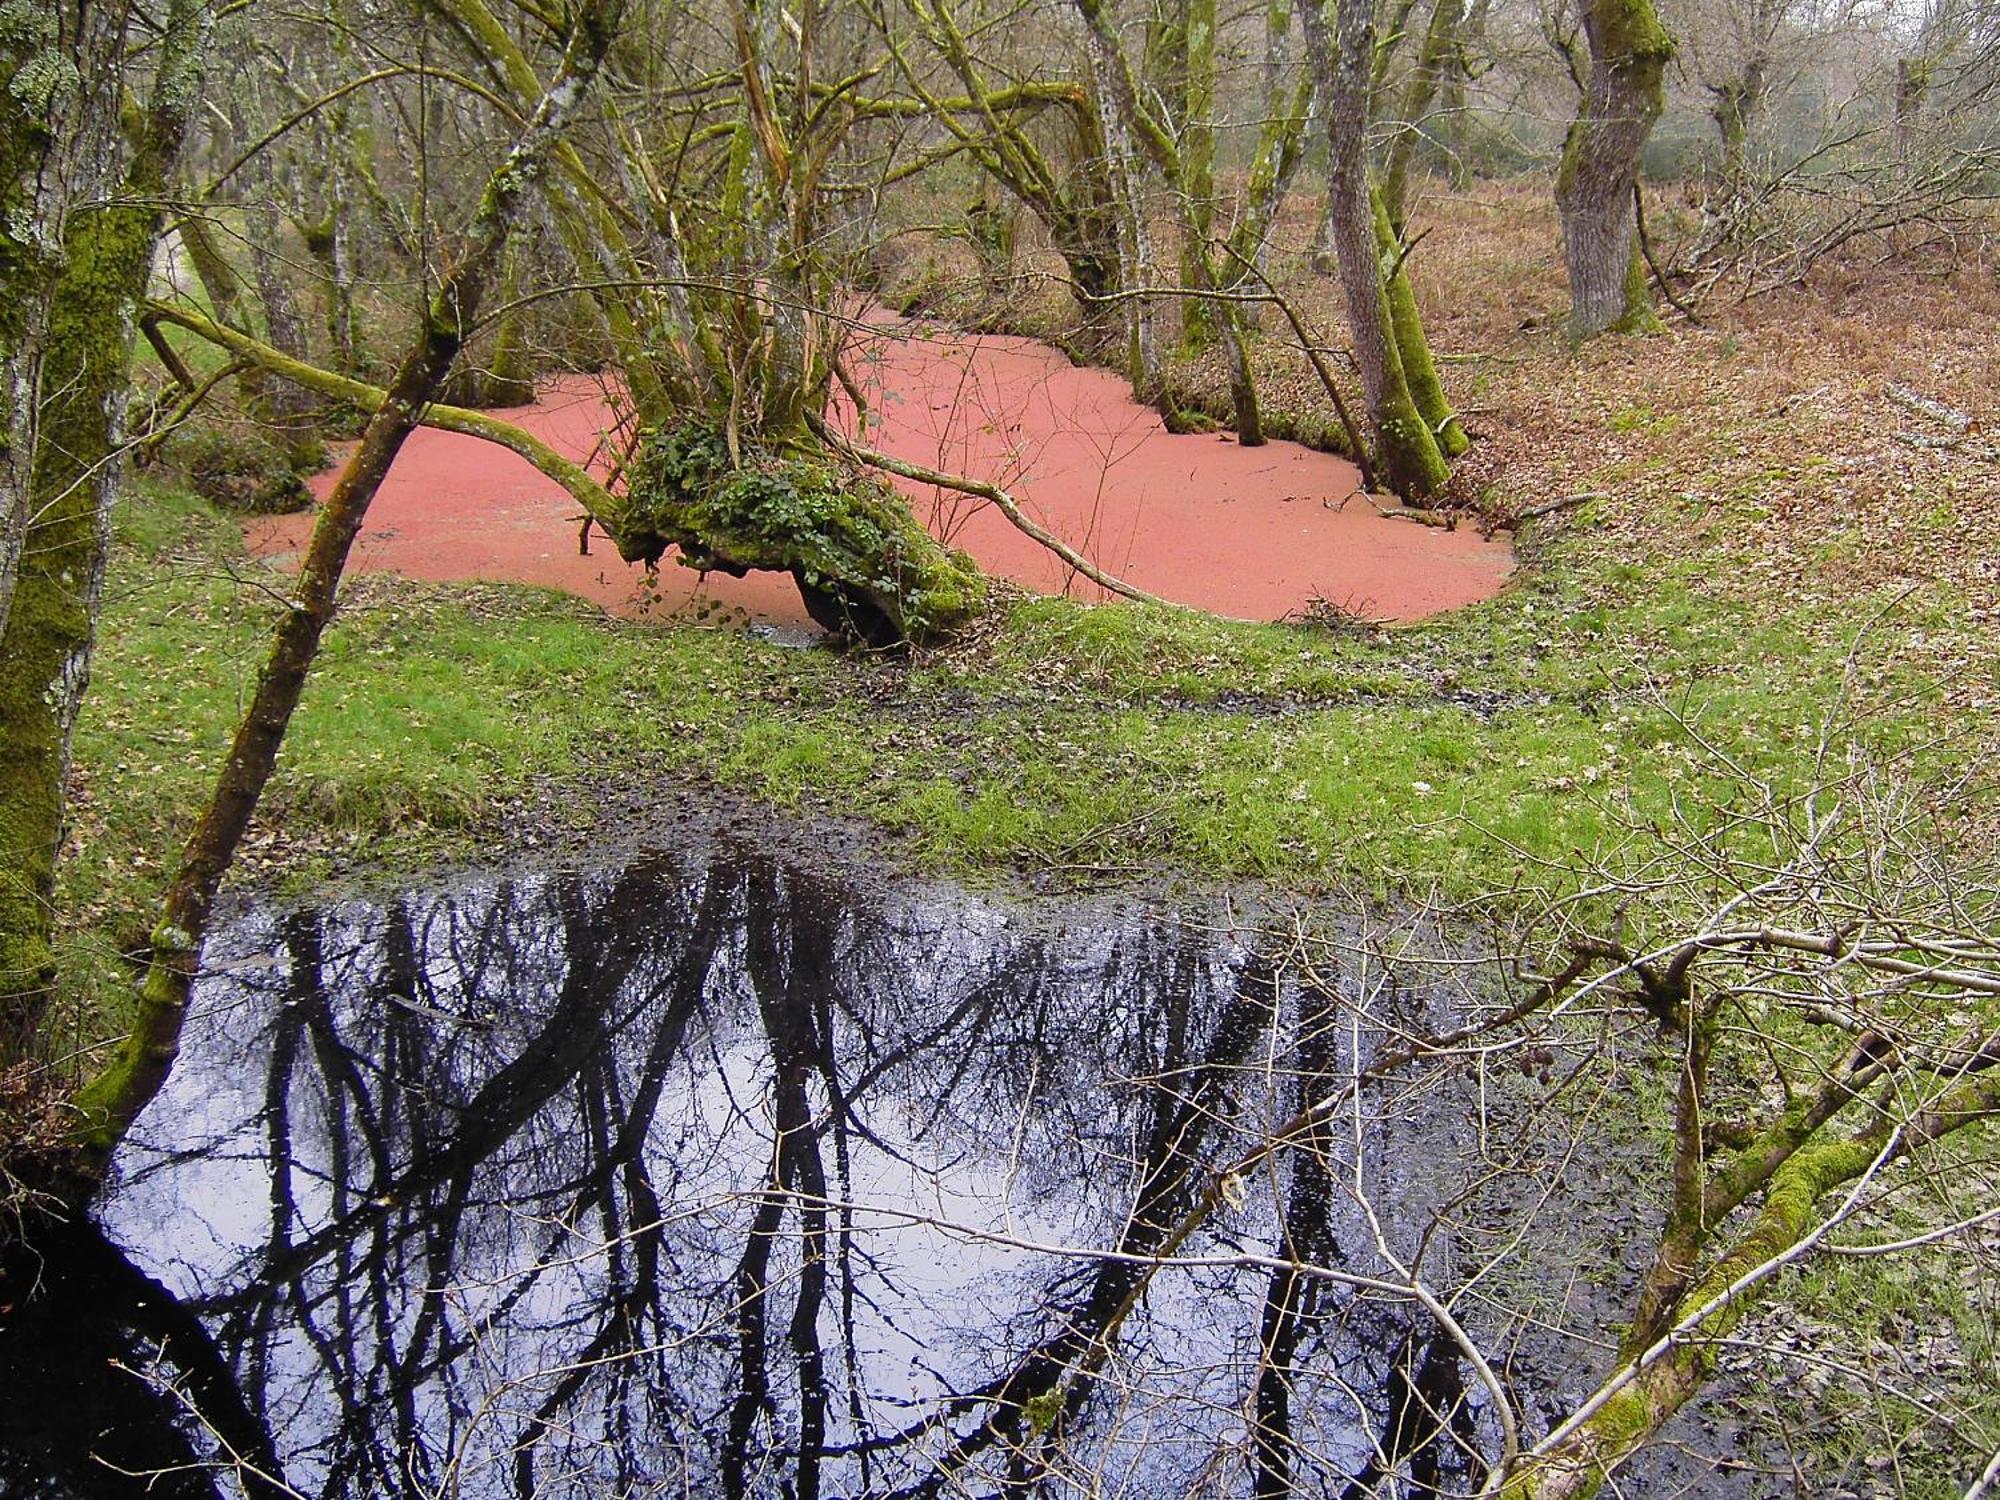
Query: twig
[[1566, 502], [1006, 503], [1646, 247]]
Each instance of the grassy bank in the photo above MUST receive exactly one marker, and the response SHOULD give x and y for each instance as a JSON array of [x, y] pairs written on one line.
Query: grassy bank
[[1762, 552], [1595, 696]]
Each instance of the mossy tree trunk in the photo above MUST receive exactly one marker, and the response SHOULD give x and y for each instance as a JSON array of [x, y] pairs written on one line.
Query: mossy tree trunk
[[95, 281], [1180, 79], [1656, 1382], [1406, 329], [1288, 93], [1134, 236], [291, 409], [1623, 96], [1738, 103], [42, 93], [1407, 453], [506, 374], [1452, 124], [1434, 61], [111, 1101]]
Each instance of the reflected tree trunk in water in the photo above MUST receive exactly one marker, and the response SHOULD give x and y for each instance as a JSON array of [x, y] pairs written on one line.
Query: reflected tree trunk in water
[[1290, 1298], [140, 1387], [583, 1181]]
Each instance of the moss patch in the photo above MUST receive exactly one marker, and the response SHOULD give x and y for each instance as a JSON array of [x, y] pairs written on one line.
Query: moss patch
[[864, 565]]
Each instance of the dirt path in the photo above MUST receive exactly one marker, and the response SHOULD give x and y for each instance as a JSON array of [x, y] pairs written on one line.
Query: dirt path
[[1254, 533]]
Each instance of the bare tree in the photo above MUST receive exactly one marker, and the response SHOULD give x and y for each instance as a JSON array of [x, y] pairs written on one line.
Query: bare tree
[[1388, 348]]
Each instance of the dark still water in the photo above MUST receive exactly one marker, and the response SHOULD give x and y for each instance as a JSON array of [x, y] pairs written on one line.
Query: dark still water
[[717, 1176]]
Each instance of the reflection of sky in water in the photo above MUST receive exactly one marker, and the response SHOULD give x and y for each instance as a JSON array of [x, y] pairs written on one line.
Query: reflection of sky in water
[[433, 1107]]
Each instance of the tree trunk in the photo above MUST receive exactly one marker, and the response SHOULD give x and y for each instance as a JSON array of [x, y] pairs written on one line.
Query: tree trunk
[[135, 1073], [1624, 95], [1406, 326], [290, 408], [1142, 358], [1913, 85], [1131, 113], [1287, 106], [77, 404], [1180, 73], [1737, 105], [1407, 454], [1434, 60], [49, 137], [1324, 254]]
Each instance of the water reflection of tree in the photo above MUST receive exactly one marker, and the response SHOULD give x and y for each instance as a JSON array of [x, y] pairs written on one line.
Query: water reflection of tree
[[563, 1181]]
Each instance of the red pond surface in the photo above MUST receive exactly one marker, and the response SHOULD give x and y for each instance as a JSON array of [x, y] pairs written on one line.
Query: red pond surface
[[1254, 533]]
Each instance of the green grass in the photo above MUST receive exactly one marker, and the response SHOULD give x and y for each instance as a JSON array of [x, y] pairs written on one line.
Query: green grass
[[1444, 757]]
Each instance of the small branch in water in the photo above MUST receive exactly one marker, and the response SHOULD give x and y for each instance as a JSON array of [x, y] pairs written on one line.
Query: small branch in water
[[1007, 504]]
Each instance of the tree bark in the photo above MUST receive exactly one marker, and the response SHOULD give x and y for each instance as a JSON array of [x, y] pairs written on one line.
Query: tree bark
[[290, 408], [1434, 60], [1158, 143], [1738, 102], [1408, 457], [76, 404], [1413, 349], [135, 1073], [1623, 96], [1180, 75]]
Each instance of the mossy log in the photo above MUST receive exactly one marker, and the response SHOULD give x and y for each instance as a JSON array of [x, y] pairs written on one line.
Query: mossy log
[[863, 564]]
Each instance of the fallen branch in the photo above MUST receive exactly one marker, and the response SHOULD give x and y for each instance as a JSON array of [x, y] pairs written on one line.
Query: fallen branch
[[573, 477], [1646, 248], [1006, 503], [1924, 406], [1940, 444]]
